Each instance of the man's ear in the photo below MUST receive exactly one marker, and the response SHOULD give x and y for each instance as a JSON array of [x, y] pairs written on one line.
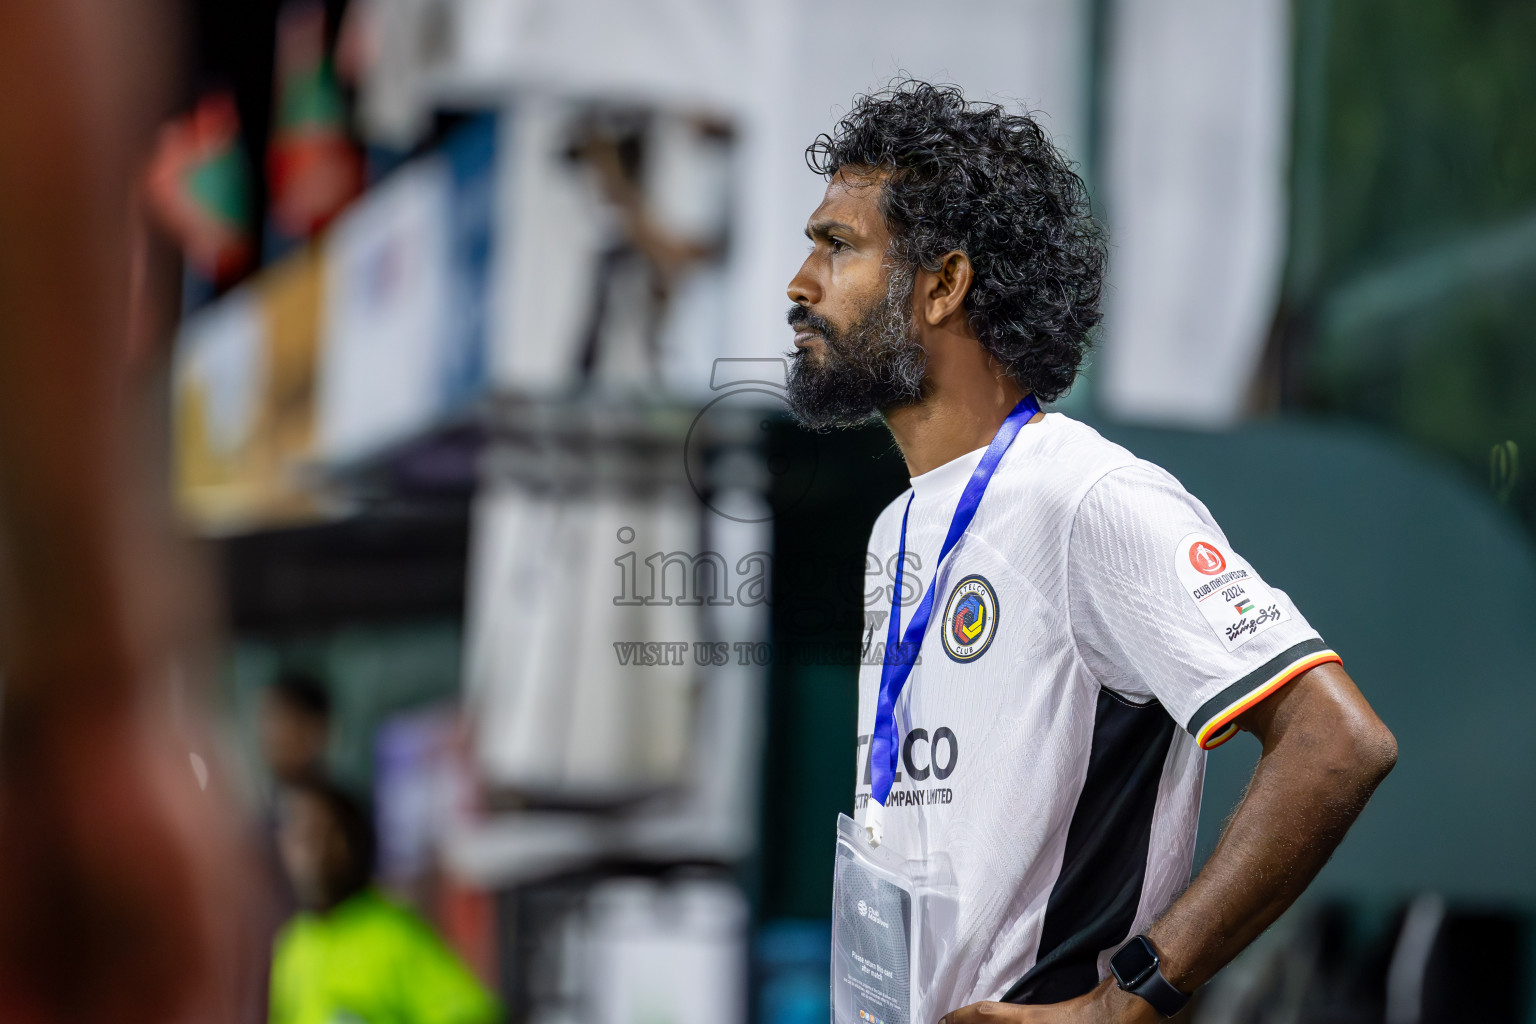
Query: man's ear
[[940, 294]]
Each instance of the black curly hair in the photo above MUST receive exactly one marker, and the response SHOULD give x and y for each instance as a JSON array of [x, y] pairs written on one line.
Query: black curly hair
[[972, 177]]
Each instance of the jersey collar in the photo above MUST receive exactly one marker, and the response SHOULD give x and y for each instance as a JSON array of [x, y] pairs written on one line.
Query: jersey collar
[[949, 478]]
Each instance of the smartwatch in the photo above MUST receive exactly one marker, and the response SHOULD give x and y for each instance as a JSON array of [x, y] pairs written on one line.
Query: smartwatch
[[1138, 970]]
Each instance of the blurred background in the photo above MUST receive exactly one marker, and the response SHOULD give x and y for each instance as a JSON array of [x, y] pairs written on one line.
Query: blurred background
[[475, 398]]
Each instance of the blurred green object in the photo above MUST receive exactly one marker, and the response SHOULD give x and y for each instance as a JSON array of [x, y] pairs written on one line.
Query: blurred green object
[[1503, 469], [1409, 290], [371, 961]]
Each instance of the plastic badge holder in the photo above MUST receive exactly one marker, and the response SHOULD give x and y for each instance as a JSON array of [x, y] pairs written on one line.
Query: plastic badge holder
[[888, 916], [872, 931]]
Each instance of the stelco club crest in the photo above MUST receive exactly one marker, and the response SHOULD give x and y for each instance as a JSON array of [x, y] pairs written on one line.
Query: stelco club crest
[[970, 619]]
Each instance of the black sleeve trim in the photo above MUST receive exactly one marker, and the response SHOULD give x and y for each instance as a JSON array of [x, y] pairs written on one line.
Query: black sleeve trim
[[1212, 724]]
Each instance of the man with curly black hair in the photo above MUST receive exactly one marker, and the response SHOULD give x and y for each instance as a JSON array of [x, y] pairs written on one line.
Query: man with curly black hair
[[1041, 748]]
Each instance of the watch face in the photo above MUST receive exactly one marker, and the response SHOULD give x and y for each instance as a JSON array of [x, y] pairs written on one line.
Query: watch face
[[1134, 963]]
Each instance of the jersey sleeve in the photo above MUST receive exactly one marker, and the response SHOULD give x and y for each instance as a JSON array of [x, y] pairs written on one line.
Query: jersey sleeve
[[1163, 608]]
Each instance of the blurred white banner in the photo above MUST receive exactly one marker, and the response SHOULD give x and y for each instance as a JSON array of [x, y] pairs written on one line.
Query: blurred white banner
[[384, 316], [1197, 120]]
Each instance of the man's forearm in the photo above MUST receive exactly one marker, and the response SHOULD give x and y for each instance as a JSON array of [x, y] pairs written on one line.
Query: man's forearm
[[1325, 751], [1324, 754]]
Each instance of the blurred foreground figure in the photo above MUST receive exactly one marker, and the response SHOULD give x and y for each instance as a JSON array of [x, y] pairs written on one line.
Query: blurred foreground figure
[[115, 899], [352, 956]]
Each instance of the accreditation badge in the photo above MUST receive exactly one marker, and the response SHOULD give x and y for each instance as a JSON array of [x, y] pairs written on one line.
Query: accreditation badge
[[872, 930], [894, 923]]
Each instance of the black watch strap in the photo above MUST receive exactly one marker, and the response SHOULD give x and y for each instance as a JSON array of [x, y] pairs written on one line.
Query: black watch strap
[[1139, 970]]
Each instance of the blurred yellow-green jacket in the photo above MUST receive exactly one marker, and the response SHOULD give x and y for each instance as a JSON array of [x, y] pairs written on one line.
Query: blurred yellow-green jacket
[[369, 961]]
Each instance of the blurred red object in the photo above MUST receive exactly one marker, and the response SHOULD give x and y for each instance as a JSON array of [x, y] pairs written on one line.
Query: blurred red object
[[198, 188], [313, 167], [468, 916]]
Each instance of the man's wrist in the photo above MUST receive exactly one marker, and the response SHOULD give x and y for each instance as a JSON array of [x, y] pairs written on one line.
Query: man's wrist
[[1174, 961], [1137, 967], [1117, 1006]]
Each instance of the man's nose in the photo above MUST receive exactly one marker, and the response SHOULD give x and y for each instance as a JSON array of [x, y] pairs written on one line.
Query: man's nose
[[803, 290]]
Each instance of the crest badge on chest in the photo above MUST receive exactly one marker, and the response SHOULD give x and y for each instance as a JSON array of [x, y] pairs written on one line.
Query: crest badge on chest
[[970, 619]]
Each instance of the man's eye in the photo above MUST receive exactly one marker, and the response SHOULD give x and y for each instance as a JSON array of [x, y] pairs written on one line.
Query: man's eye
[[838, 245]]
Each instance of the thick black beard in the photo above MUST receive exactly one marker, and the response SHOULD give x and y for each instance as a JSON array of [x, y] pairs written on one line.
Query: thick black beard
[[872, 366]]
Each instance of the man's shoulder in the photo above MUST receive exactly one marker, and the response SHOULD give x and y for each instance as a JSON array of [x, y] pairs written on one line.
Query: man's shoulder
[[1061, 465], [1038, 501], [1046, 474]]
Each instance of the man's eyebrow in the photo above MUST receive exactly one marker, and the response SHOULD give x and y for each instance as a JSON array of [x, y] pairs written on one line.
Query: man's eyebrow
[[824, 228]]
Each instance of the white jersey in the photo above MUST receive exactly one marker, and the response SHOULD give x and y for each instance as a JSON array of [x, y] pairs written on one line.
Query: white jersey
[[1091, 632]]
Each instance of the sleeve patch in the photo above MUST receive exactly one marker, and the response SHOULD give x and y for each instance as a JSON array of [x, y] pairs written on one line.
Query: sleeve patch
[[1235, 602]]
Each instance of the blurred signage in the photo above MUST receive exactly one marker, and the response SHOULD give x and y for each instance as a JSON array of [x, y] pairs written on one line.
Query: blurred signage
[[385, 312], [365, 340], [244, 402]]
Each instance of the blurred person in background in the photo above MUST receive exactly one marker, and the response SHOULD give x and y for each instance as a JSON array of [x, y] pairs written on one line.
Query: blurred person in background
[[118, 848], [352, 956], [294, 727], [1094, 632], [293, 731]]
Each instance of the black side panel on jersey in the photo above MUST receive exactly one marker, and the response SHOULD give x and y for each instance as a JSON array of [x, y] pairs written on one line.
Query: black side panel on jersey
[[1093, 903]]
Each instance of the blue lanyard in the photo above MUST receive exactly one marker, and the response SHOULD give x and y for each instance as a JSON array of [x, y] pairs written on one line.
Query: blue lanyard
[[901, 650]]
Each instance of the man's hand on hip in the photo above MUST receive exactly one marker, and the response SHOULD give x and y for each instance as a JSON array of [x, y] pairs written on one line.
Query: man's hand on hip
[[1324, 753], [1106, 1004]]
